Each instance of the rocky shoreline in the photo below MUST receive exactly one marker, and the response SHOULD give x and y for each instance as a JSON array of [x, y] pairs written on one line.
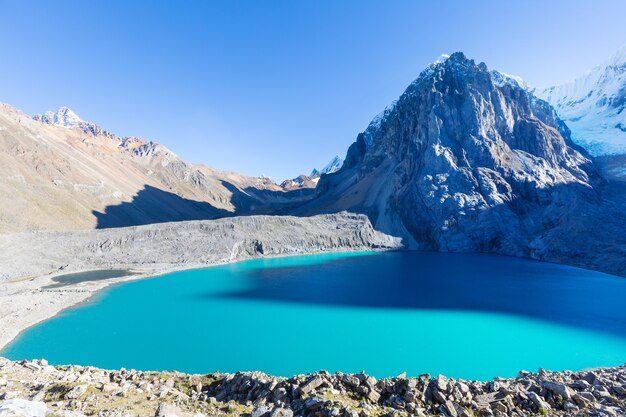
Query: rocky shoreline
[[31, 261], [76, 391]]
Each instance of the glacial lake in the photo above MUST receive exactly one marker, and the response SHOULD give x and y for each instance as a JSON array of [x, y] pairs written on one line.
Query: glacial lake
[[462, 315]]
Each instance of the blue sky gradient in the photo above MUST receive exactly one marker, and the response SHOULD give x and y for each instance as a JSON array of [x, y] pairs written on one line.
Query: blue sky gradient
[[274, 87]]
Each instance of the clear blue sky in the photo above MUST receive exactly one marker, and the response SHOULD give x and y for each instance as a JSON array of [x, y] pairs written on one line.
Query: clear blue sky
[[274, 87]]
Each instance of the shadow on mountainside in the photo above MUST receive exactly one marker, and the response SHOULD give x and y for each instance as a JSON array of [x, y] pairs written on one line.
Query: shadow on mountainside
[[152, 205]]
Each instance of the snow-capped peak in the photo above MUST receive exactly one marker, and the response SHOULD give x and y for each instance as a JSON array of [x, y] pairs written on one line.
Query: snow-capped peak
[[594, 106], [64, 117], [333, 166], [618, 58], [442, 58], [501, 78]]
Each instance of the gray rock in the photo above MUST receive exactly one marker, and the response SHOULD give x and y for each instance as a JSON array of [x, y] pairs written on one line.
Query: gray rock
[[168, 410], [558, 389], [22, 408], [373, 395], [281, 412], [312, 385], [313, 403], [350, 380], [261, 411], [450, 409], [538, 401], [77, 391]]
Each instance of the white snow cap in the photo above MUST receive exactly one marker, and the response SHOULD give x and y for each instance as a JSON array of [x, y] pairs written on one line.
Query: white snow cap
[[442, 58], [593, 106], [63, 117], [66, 117]]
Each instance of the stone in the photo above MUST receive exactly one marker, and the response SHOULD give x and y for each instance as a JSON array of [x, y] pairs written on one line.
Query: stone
[[587, 396], [312, 385], [32, 366], [439, 397], [76, 392], [370, 382], [396, 402], [168, 410], [350, 380], [262, 411], [313, 403], [539, 401], [373, 395], [619, 389], [558, 389], [23, 408], [441, 384], [569, 406], [450, 409], [500, 407], [582, 385], [281, 412]]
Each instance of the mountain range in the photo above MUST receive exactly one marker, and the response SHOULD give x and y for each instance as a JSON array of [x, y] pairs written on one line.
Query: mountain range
[[467, 159], [593, 106], [60, 172]]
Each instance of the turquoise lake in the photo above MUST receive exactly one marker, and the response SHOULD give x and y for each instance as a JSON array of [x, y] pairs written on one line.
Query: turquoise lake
[[462, 315]]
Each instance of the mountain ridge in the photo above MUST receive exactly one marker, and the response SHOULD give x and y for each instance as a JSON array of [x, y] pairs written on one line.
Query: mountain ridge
[[467, 159], [65, 173], [593, 106]]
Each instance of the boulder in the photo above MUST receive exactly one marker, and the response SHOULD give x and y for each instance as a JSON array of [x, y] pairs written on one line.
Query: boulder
[[558, 389], [168, 410], [281, 412], [312, 385], [76, 392], [23, 408], [538, 401]]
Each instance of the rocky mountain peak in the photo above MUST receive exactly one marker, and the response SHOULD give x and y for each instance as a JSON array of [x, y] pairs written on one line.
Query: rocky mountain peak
[[65, 117], [459, 162], [333, 166]]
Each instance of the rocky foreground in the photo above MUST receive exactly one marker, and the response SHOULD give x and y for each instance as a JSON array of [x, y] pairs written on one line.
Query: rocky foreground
[[35, 388]]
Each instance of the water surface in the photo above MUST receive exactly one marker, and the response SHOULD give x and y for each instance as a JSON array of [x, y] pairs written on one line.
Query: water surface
[[76, 277], [470, 316]]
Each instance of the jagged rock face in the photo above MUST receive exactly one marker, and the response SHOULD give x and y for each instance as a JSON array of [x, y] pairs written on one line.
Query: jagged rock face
[[465, 159]]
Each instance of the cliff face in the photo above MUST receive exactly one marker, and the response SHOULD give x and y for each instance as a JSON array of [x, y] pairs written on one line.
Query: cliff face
[[466, 159]]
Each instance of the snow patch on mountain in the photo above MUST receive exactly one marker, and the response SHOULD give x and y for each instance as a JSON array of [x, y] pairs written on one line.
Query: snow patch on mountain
[[334, 165], [594, 106], [65, 117], [501, 79]]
